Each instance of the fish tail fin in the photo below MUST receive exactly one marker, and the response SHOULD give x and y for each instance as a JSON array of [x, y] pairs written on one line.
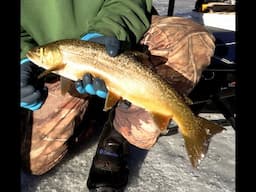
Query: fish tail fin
[[197, 139]]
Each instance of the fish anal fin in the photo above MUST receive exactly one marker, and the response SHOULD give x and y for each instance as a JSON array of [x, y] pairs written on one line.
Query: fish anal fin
[[65, 85], [198, 138], [111, 100], [161, 121]]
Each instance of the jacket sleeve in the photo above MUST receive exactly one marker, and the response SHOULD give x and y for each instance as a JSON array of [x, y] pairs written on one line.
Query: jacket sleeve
[[26, 43], [127, 20]]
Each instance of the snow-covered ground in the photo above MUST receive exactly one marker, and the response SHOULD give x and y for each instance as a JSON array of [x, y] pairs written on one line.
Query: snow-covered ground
[[164, 168], [181, 6]]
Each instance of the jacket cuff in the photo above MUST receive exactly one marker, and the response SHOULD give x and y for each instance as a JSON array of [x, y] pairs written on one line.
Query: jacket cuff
[[88, 36], [24, 60]]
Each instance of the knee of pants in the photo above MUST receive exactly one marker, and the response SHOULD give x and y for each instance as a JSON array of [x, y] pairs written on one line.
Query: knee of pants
[[43, 157]]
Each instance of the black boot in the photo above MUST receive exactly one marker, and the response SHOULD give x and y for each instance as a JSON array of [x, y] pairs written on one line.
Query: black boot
[[109, 171]]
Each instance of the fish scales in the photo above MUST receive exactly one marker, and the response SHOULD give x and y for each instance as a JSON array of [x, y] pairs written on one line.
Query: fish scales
[[126, 78], [121, 68]]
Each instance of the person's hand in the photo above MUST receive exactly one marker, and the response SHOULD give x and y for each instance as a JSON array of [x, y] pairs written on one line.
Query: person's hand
[[112, 44], [94, 85], [32, 90]]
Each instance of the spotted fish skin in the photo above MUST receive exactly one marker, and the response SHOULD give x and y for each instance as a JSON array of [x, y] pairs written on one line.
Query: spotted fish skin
[[126, 78]]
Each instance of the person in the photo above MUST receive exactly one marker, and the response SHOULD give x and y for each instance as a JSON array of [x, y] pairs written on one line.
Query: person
[[50, 121]]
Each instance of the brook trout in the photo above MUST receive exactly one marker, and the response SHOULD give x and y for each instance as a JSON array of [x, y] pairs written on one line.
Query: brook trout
[[126, 78]]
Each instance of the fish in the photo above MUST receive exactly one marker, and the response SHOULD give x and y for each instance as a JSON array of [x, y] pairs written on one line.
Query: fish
[[126, 78]]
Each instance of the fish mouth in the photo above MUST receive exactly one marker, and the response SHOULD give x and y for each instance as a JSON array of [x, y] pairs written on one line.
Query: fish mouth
[[30, 55]]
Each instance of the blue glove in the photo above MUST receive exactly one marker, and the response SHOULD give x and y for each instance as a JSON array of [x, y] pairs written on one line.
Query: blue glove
[[112, 44], [92, 86], [32, 90], [89, 84]]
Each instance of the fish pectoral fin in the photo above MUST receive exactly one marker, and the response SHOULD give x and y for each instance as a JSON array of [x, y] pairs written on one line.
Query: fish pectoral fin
[[111, 100], [48, 71], [197, 139], [65, 85], [161, 121]]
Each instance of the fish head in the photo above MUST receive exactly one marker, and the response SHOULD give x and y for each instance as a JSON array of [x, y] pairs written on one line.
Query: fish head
[[46, 56]]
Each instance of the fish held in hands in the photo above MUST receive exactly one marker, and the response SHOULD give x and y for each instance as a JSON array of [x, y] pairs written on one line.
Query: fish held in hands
[[126, 78]]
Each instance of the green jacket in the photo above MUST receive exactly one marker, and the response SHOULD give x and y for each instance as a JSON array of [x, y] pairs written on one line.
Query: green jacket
[[50, 20]]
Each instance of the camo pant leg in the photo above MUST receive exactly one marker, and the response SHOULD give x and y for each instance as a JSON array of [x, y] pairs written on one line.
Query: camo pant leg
[[45, 132], [179, 50]]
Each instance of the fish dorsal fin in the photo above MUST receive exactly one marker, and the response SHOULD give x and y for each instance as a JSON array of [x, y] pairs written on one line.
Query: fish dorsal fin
[[187, 100], [47, 71], [161, 121], [111, 100], [65, 85]]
